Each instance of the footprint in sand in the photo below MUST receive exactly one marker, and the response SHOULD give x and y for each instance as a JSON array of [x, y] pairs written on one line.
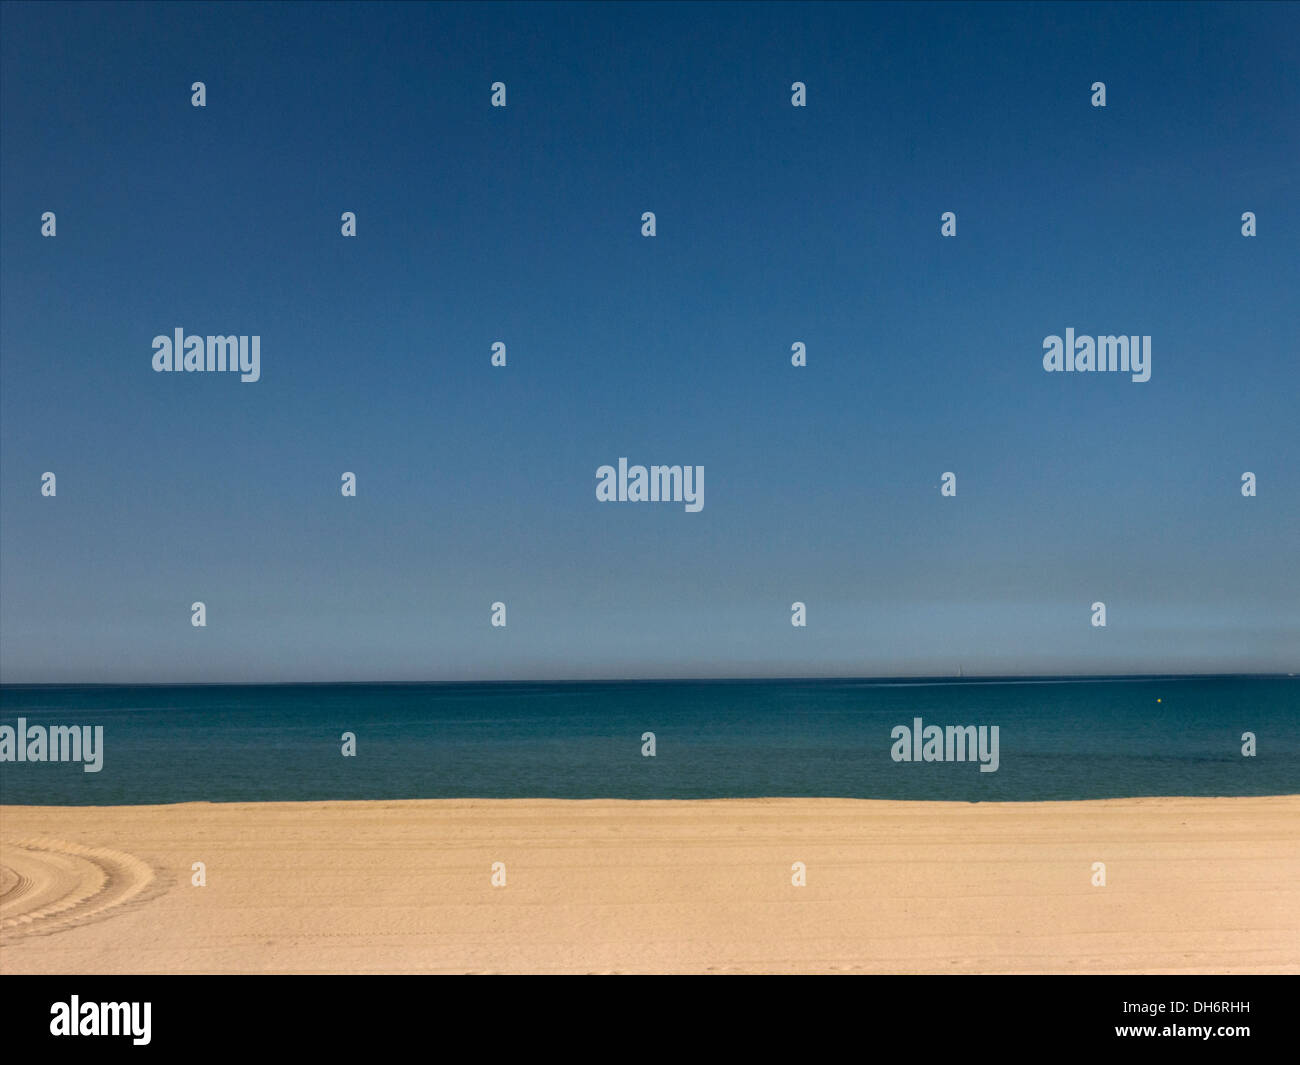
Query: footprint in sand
[[47, 885]]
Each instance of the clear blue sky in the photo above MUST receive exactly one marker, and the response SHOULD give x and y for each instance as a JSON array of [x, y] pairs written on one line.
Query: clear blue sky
[[522, 224]]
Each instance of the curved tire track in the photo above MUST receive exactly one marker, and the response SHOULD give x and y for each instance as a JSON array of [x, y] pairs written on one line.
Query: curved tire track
[[48, 885]]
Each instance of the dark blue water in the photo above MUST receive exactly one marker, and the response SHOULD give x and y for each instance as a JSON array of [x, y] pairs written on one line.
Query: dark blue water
[[1057, 740]]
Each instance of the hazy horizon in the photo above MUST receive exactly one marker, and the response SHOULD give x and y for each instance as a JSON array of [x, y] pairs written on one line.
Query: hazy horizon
[[980, 678]]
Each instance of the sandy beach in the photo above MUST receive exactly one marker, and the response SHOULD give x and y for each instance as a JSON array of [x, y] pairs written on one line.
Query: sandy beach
[[1192, 885]]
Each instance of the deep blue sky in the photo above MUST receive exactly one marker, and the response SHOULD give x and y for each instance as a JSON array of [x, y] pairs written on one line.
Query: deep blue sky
[[775, 224]]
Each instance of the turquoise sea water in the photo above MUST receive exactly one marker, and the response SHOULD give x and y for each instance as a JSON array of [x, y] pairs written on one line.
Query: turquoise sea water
[[1061, 739]]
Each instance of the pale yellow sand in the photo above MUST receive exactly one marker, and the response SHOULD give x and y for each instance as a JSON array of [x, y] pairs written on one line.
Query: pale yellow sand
[[1199, 885]]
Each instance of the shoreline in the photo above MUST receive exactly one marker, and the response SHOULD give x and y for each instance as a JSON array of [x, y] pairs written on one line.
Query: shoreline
[[565, 801], [1195, 885]]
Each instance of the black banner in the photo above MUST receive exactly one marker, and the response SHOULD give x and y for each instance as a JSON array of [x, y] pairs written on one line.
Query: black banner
[[1234, 1015]]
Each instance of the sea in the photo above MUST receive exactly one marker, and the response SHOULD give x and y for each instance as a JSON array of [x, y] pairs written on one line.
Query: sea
[[1059, 738]]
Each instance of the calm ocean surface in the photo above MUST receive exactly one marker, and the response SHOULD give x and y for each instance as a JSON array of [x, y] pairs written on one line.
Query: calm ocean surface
[[1057, 740]]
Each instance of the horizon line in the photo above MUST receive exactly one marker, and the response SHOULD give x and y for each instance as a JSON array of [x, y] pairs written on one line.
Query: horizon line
[[992, 678]]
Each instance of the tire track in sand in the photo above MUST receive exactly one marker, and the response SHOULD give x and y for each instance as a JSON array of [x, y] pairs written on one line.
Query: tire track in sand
[[48, 885]]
